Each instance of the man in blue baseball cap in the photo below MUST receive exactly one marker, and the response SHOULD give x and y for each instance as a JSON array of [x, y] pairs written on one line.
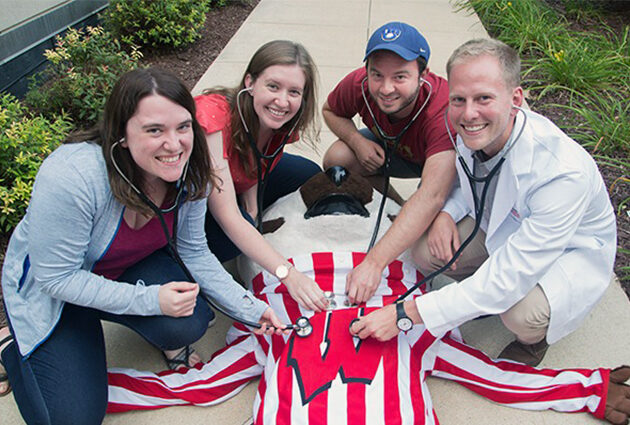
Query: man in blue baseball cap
[[402, 104]]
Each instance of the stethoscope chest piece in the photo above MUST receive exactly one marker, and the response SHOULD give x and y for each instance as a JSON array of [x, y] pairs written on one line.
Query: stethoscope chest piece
[[303, 327]]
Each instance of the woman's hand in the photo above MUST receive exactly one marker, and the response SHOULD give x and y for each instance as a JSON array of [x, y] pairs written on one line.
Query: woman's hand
[[178, 299], [305, 291], [270, 324]]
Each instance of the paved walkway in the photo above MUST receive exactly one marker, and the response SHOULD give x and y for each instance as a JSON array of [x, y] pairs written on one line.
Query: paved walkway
[[335, 32]]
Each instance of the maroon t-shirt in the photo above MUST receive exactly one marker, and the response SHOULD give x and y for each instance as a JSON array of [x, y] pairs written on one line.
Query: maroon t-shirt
[[130, 246], [426, 136]]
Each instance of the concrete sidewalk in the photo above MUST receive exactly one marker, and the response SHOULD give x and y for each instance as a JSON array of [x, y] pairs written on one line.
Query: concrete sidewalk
[[335, 33]]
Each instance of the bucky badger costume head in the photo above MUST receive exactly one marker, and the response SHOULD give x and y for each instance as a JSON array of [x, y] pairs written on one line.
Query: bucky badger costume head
[[342, 210]]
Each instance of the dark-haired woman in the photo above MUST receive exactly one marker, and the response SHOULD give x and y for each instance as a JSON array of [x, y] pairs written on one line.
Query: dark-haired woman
[[91, 248], [273, 105]]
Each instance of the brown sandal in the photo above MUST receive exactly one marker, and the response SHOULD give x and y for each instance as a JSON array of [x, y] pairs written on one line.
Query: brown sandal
[[4, 377]]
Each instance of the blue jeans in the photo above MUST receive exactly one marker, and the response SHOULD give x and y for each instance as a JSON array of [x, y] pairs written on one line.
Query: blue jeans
[[64, 381], [291, 172]]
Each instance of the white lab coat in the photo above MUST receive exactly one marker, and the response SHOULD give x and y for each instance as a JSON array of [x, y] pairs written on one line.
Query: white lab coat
[[551, 223]]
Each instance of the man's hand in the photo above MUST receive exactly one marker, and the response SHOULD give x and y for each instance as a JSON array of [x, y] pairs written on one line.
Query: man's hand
[[178, 299], [370, 155], [305, 291], [443, 238], [270, 324], [618, 397], [379, 324], [362, 281]]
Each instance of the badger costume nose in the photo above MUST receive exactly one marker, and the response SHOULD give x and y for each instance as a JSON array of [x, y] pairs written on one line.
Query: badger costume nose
[[337, 174]]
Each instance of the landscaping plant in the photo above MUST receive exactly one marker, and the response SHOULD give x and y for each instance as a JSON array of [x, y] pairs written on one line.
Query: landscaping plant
[[83, 68], [156, 23], [25, 140], [583, 74]]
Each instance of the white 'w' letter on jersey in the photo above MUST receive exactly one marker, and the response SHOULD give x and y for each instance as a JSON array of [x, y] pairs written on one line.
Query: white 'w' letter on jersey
[[330, 377]]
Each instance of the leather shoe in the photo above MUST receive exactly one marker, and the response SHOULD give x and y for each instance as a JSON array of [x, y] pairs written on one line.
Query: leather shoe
[[529, 354]]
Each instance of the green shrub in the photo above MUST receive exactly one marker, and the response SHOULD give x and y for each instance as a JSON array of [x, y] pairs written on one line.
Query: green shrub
[[522, 24], [83, 68], [586, 64], [25, 141], [156, 23], [604, 122]]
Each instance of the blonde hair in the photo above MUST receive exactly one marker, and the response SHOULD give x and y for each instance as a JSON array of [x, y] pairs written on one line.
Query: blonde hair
[[507, 57]]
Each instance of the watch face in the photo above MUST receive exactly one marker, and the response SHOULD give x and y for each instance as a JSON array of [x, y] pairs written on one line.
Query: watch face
[[404, 324], [282, 271]]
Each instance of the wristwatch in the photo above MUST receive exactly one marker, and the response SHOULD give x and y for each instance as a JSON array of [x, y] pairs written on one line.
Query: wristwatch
[[403, 321], [282, 271]]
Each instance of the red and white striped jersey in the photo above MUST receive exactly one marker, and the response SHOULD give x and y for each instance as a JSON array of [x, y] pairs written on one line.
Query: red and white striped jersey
[[330, 377]]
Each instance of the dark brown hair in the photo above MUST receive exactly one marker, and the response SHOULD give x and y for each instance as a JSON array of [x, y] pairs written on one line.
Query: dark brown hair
[[121, 105], [278, 52], [422, 62]]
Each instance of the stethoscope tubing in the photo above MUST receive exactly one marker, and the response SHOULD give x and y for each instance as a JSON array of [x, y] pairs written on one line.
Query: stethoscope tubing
[[479, 203], [386, 165], [171, 241], [262, 177]]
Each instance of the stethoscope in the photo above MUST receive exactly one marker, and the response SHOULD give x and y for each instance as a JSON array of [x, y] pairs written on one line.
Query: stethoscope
[[302, 326], [263, 176], [478, 202], [387, 138]]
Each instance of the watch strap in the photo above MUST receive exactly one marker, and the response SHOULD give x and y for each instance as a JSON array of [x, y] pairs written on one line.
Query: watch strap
[[400, 310], [403, 322]]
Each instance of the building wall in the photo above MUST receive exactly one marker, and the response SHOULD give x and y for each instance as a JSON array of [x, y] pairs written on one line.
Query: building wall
[[28, 28]]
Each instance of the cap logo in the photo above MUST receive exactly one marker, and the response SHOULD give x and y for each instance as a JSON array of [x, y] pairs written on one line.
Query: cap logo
[[390, 34]]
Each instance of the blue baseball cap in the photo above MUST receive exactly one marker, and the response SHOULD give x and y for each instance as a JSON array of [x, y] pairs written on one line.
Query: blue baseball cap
[[400, 38]]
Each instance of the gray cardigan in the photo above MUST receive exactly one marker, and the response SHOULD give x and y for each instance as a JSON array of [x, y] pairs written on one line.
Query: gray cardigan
[[70, 222]]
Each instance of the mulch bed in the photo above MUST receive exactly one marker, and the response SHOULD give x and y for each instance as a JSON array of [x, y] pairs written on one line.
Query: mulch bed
[[191, 63]]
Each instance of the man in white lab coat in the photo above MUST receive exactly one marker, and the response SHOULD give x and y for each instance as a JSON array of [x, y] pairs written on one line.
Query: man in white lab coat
[[544, 253]]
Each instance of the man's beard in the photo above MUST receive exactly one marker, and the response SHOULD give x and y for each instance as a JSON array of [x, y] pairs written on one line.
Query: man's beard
[[410, 100]]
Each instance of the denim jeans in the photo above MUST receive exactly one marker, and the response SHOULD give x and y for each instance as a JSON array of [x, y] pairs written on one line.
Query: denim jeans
[[398, 167], [291, 172], [64, 381]]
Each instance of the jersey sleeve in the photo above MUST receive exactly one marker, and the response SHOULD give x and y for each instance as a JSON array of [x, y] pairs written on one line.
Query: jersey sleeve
[[521, 386], [224, 376]]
